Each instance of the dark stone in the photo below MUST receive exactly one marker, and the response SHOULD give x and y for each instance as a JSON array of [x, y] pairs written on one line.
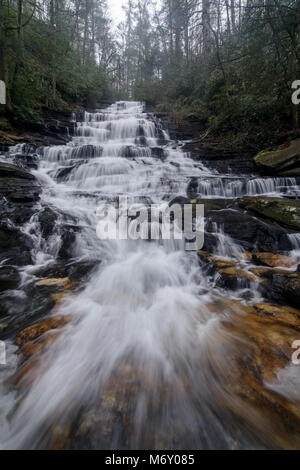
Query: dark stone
[[128, 152], [181, 200], [47, 219], [141, 141], [251, 233], [192, 188], [283, 289], [21, 309], [8, 170], [26, 161], [86, 151], [17, 184], [62, 173], [233, 283], [9, 277], [68, 239], [284, 211], [140, 131], [15, 245], [18, 214], [76, 271], [158, 152]]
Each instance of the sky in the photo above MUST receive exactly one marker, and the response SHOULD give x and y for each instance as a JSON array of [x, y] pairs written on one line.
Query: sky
[[115, 10]]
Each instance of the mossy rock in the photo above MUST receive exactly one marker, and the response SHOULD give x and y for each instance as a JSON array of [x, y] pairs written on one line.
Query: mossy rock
[[284, 211], [283, 161]]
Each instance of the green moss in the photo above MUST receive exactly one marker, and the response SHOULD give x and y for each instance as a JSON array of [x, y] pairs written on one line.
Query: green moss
[[285, 212], [282, 160]]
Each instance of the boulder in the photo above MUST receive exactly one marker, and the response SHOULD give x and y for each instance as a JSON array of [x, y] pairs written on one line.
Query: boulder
[[29, 162], [9, 278], [251, 233], [273, 261], [234, 278], [18, 185], [283, 161], [64, 172], [47, 219], [15, 245], [158, 152], [282, 288], [284, 211], [68, 239]]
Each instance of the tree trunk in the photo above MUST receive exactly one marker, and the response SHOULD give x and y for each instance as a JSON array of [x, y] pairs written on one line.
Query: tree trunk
[[206, 29], [19, 46], [232, 12], [3, 58]]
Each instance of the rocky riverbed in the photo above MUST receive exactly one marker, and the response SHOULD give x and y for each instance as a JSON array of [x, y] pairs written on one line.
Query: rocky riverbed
[[198, 346]]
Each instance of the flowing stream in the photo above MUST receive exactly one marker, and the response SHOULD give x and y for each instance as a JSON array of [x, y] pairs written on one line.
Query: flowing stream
[[146, 359]]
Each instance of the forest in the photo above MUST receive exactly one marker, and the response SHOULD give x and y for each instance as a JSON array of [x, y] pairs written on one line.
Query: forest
[[228, 63]]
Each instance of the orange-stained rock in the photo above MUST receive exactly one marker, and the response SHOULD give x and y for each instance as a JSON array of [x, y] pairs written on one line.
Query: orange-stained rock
[[33, 348], [264, 272], [64, 283], [283, 313], [238, 273], [35, 331], [274, 261]]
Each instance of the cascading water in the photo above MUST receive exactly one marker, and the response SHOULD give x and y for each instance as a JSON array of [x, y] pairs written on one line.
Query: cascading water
[[142, 362]]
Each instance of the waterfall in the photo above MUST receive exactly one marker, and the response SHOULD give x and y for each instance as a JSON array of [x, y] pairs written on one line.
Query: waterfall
[[141, 343]]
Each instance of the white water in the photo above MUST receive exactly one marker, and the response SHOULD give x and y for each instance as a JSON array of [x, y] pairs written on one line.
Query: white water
[[145, 309]]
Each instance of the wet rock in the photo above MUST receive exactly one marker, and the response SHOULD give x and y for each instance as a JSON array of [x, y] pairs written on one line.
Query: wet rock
[[68, 239], [58, 289], [36, 300], [77, 271], [128, 151], [18, 214], [141, 141], [87, 151], [35, 331], [64, 172], [32, 343], [282, 288], [158, 152], [234, 278], [181, 200], [29, 162], [253, 234], [80, 271], [285, 212], [220, 156], [211, 205], [280, 313], [33, 349], [140, 131], [272, 260], [15, 245], [192, 189], [266, 272], [47, 219], [18, 185], [9, 278], [284, 161], [7, 170]]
